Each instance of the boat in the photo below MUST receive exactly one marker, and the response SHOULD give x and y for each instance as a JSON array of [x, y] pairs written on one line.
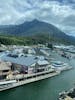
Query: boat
[[61, 66], [67, 95], [6, 83]]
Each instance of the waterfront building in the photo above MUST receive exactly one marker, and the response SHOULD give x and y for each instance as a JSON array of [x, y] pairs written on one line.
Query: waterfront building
[[5, 68], [27, 64]]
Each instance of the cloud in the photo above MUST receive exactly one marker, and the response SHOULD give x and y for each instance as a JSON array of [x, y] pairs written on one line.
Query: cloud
[[60, 13]]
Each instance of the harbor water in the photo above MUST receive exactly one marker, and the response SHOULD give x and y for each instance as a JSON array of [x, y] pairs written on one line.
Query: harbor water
[[47, 89]]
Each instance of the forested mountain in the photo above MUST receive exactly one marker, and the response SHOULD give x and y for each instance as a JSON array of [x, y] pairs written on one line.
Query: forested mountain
[[35, 29]]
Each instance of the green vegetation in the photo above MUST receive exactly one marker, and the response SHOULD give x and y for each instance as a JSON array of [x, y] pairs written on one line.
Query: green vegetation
[[20, 40], [10, 40], [29, 40], [33, 32]]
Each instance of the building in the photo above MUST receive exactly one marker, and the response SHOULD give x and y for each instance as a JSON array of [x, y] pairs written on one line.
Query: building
[[5, 68], [27, 64]]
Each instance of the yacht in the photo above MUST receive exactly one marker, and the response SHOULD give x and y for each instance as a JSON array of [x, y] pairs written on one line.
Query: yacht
[[60, 66]]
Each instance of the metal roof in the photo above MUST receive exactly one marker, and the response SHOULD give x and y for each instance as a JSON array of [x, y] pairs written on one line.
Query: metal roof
[[43, 62], [27, 61]]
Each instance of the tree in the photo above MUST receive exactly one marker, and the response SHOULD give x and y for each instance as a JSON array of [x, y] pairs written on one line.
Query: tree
[[50, 46]]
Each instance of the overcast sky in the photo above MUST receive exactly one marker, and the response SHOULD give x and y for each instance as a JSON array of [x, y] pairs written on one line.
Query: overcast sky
[[60, 13]]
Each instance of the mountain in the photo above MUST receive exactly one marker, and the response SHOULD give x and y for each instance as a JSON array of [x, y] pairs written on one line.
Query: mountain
[[34, 28], [31, 28]]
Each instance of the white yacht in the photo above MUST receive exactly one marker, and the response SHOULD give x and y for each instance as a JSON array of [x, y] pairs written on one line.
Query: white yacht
[[60, 66]]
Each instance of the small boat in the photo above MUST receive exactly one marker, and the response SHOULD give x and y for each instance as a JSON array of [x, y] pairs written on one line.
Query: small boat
[[67, 95], [6, 83]]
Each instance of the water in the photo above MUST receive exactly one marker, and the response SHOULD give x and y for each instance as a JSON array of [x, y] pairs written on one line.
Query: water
[[47, 89]]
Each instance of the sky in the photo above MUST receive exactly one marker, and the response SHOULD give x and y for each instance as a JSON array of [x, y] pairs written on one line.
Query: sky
[[60, 13]]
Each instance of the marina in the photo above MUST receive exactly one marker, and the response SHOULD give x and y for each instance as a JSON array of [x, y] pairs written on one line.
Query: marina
[[48, 88], [44, 67], [37, 49]]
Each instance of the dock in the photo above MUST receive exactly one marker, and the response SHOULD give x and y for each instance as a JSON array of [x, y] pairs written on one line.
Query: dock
[[26, 81]]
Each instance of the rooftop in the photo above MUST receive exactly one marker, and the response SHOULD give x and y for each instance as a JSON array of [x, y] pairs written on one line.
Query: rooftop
[[27, 61]]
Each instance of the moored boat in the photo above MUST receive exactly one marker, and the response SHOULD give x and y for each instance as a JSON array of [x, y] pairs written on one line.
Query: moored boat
[[67, 95]]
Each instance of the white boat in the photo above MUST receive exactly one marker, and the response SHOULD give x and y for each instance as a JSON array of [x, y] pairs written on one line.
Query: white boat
[[61, 66], [67, 95], [7, 82]]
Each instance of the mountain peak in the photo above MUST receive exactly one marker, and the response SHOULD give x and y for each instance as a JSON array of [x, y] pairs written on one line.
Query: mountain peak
[[35, 20], [32, 28]]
